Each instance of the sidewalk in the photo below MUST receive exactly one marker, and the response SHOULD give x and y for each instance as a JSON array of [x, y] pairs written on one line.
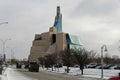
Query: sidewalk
[[12, 74], [0, 77], [3, 76]]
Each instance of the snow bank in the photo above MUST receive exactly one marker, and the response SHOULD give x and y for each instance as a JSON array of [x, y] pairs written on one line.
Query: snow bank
[[12, 74], [96, 73]]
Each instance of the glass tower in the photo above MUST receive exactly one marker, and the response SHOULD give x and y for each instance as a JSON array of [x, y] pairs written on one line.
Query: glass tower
[[58, 20]]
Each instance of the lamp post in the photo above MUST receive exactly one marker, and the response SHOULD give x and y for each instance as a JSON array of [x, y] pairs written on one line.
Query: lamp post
[[4, 42], [12, 53], [103, 49], [3, 23], [119, 46]]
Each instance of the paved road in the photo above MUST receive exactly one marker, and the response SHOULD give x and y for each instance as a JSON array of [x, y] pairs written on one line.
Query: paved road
[[45, 75]]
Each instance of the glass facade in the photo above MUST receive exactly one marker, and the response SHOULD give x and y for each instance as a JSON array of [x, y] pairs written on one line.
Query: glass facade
[[58, 21], [73, 41], [58, 26]]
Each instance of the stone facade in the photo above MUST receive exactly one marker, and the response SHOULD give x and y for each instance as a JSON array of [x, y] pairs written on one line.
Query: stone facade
[[47, 43], [52, 41]]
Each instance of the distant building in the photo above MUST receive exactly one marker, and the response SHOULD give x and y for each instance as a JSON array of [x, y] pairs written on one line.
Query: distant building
[[53, 41]]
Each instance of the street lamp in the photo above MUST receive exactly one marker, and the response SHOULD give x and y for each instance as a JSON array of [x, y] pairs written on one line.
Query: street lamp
[[103, 49], [3, 23], [119, 46], [4, 55]]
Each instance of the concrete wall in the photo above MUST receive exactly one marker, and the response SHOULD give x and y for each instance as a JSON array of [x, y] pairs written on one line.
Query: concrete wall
[[42, 45], [61, 41]]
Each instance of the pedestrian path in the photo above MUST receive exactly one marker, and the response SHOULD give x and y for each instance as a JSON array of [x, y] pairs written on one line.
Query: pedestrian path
[[13, 74], [0, 77]]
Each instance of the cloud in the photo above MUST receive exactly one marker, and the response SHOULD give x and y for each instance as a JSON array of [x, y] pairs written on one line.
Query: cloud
[[96, 7], [25, 19], [95, 21]]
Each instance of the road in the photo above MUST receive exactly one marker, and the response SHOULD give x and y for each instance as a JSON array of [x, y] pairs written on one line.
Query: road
[[45, 75]]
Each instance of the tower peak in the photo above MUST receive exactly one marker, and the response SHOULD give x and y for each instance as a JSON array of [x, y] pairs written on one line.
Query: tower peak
[[58, 20]]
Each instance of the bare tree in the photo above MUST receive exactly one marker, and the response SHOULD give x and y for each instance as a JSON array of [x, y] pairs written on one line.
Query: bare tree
[[82, 57], [13, 61], [50, 60], [92, 56], [107, 58], [42, 61], [98, 60], [66, 58]]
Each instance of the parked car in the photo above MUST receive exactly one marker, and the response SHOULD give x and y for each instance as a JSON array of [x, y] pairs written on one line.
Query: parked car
[[115, 77], [113, 67], [26, 66], [33, 67], [118, 67], [58, 65], [108, 66], [100, 66], [76, 66], [18, 65], [90, 65]]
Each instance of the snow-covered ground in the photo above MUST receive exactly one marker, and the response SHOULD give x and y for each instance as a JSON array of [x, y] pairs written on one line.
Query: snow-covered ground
[[87, 72], [12, 74]]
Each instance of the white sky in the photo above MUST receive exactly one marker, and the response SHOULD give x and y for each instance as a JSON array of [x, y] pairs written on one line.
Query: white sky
[[95, 21]]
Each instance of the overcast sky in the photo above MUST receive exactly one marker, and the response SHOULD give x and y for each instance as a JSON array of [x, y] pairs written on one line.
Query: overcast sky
[[96, 22]]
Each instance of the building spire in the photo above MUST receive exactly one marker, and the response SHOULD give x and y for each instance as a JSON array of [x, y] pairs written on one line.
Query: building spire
[[58, 20]]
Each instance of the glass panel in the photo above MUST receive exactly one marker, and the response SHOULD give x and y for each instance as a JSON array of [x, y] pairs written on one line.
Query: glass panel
[[74, 41]]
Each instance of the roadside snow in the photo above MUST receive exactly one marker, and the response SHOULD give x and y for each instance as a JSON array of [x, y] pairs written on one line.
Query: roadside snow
[[96, 73], [12, 74]]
